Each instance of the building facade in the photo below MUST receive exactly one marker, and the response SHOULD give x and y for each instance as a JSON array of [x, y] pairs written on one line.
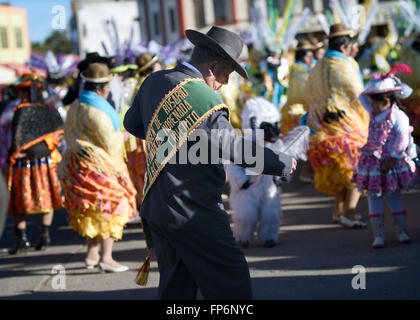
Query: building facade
[[15, 47], [92, 26], [165, 21]]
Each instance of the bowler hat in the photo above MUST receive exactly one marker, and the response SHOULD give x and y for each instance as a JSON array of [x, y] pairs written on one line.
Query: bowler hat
[[145, 61], [305, 45], [340, 30], [226, 43]]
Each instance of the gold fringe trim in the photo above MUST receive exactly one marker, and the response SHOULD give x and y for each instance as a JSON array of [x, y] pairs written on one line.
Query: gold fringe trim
[[163, 101]]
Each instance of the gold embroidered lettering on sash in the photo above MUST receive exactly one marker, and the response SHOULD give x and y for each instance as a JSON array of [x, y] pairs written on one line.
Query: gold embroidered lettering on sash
[[176, 108], [176, 117], [157, 121]]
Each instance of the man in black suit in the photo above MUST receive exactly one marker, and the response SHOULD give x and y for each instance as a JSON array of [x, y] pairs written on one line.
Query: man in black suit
[[183, 208]]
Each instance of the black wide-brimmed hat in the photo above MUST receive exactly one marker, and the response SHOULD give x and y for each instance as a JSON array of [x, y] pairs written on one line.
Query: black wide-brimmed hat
[[93, 57], [226, 43]]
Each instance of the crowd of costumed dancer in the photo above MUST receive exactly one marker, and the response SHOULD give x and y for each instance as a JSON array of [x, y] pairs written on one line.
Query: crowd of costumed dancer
[[325, 98]]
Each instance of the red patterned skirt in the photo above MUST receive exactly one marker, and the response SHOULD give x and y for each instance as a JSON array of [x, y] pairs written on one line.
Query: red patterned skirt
[[412, 106], [136, 164], [34, 186]]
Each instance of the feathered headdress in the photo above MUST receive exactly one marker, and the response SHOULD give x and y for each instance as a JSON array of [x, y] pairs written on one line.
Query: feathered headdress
[[353, 15], [122, 51], [267, 30], [57, 67], [411, 14], [367, 25], [400, 68], [128, 50]]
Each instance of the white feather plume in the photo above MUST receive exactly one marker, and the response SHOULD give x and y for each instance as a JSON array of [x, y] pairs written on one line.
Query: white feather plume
[[336, 6], [294, 27], [51, 62], [67, 62], [261, 30], [410, 13], [296, 143], [368, 24], [322, 19], [409, 29]]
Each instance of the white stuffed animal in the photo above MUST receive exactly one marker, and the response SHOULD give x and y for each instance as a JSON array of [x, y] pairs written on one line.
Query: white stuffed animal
[[257, 198]]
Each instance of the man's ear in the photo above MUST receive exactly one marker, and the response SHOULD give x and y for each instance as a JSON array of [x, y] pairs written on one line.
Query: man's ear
[[212, 65]]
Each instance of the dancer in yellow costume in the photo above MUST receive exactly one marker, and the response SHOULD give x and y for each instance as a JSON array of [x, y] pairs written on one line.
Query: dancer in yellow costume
[[99, 195], [410, 55], [231, 95], [296, 106], [340, 123]]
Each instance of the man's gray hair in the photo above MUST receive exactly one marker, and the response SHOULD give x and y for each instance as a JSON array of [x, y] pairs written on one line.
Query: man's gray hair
[[201, 54]]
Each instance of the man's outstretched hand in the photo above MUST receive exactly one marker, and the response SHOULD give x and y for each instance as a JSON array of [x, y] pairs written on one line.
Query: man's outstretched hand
[[294, 164]]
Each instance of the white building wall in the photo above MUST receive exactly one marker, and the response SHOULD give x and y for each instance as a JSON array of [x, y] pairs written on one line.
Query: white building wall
[[172, 33], [92, 16], [156, 27], [242, 14], [189, 19], [209, 12]]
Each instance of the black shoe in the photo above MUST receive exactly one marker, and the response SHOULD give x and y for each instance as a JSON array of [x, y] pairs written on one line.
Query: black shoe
[[44, 239], [269, 244], [22, 243]]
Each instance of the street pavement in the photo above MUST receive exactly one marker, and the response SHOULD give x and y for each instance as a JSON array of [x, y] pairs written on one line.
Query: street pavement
[[314, 259]]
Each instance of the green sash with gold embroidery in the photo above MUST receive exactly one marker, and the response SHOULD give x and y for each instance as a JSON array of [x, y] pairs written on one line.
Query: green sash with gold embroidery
[[179, 113]]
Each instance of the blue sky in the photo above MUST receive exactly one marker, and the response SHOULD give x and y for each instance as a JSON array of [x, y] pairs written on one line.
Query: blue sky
[[40, 15]]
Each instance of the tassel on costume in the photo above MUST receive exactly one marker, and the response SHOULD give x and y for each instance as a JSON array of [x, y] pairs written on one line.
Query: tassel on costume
[[143, 274]]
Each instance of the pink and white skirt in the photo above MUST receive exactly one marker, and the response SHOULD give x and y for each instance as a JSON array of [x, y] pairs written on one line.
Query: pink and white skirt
[[368, 176]]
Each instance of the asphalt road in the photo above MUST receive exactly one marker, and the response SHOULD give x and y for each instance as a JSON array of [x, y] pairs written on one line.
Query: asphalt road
[[313, 260]]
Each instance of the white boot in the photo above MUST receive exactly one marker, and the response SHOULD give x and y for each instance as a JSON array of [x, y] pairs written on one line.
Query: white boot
[[378, 231], [400, 223]]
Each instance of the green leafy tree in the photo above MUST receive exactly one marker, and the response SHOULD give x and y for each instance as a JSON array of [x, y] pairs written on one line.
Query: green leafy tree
[[57, 41]]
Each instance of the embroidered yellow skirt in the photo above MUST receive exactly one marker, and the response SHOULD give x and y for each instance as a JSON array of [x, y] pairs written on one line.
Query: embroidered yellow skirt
[[98, 202], [334, 161]]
